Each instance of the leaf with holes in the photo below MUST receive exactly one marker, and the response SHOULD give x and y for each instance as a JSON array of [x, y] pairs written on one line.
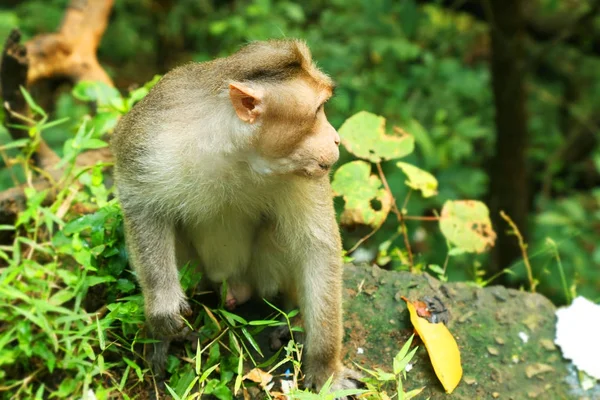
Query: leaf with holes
[[367, 202], [466, 224], [364, 135], [419, 179]]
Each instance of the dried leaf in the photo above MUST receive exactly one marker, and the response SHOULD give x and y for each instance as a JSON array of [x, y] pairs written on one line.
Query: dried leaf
[[259, 376], [442, 348]]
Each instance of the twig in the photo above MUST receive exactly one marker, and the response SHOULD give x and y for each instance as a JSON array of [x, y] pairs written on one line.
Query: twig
[[365, 238], [398, 215], [523, 247], [418, 218]]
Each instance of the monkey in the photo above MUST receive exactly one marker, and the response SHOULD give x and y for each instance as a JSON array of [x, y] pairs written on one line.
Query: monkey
[[226, 163]]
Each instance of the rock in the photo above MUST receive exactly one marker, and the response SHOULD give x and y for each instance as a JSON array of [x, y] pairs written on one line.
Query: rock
[[480, 320]]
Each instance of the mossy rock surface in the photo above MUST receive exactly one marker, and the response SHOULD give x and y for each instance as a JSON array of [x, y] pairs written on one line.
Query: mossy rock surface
[[505, 336]]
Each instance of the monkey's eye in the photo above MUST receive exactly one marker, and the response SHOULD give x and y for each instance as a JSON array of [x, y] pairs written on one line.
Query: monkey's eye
[[319, 109]]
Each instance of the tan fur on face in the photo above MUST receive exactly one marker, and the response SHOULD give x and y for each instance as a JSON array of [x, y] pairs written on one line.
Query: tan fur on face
[[294, 123]]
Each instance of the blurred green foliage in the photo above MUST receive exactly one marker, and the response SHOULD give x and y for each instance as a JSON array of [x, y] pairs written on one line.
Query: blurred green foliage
[[422, 66]]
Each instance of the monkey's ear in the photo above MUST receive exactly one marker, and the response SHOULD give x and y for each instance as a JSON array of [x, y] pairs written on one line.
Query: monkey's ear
[[247, 102]]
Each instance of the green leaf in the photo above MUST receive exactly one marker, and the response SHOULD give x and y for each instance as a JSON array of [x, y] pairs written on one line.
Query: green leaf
[[419, 179], [402, 354], [198, 359], [31, 103], [208, 372], [366, 201], [232, 318], [99, 92], [93, 144], [135, 367], [400, 365], [252, 341], [93, 221], [265, 323], [172, 392], [466, 224], [100, 331], [104, 122], [364, 135], [222, 392], [16, 143], [52, 124], [413, 393]]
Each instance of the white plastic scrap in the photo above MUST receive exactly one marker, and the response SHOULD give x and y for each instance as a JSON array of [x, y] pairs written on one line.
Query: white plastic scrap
[[524, 337], [91, 395], [287, 386], [578, 335]]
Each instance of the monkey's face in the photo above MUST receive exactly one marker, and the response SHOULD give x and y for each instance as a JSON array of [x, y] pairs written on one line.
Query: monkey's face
[[295, 136]]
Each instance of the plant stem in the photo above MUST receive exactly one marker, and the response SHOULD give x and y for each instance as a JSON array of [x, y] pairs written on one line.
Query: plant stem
[[523, 247], [398, 215], [418, 218]]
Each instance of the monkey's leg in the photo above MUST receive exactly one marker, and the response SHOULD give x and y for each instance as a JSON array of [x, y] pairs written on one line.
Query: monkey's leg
[[151, 244]]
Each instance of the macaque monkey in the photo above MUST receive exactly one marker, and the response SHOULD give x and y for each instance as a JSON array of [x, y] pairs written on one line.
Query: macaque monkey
[[226, 164]]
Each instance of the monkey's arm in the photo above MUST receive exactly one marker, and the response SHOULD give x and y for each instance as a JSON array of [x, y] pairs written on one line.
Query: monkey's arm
[[151, 244], [321, 306]]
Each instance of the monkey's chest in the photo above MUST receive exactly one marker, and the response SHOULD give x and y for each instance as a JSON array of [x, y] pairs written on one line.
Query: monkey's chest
[[223, 244]]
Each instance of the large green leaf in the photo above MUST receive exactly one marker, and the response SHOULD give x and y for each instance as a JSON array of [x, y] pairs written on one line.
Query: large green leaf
[[99, 92], [366, 201], [466, 224], [364, 135], [419, 179]]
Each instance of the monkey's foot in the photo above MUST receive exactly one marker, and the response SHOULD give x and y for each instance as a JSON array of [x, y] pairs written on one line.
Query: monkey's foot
[[344, 380], [169, 325], [348, 379], [281, 336]]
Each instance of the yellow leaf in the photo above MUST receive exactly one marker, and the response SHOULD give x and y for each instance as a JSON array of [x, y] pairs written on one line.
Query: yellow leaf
[[442, 348]]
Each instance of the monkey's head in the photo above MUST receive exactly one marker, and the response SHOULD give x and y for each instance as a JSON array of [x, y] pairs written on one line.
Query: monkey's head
[[282, 100]]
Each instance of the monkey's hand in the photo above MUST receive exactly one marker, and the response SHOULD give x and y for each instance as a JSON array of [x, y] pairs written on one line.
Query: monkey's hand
[[169, 324]]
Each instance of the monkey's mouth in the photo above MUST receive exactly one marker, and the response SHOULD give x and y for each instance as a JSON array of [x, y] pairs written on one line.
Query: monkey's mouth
[[317, 171]]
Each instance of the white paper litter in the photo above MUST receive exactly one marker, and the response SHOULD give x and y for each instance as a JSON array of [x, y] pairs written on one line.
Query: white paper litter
[[578, 335]]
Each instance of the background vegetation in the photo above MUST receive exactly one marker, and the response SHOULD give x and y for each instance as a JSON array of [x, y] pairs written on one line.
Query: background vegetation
[[426, 66]]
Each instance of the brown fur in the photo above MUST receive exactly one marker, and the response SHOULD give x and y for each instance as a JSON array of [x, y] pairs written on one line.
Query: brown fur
[[225, 164]]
